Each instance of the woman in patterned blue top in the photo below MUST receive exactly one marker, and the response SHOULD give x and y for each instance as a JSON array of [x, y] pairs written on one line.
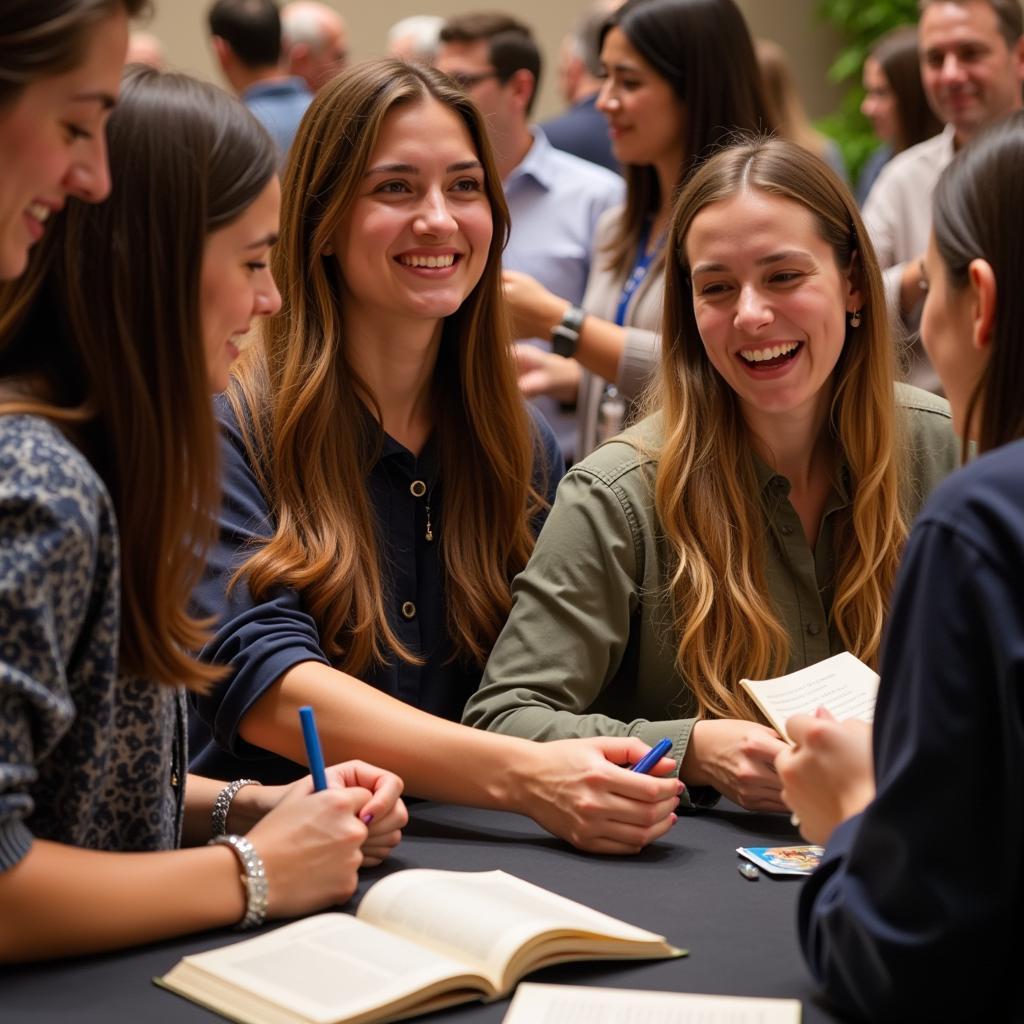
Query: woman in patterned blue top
[[110, 345]]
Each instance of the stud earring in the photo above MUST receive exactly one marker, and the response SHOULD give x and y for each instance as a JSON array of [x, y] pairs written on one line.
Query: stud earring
[[855, 319]]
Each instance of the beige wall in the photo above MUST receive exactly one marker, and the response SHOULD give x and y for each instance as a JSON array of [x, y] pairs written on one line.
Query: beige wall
[[181, 24]]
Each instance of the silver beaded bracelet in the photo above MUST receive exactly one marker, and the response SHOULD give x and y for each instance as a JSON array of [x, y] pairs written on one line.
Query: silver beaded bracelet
[[221, 806], [254, 879]]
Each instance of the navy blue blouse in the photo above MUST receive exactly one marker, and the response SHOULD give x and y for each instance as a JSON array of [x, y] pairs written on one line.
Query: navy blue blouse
[[915, 911], [260, 640]]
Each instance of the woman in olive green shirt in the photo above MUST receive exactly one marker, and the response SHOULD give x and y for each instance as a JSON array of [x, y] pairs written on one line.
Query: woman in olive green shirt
[[752, 525]]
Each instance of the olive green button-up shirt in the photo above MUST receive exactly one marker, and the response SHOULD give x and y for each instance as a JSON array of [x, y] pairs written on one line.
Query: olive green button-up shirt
[[589, 648]]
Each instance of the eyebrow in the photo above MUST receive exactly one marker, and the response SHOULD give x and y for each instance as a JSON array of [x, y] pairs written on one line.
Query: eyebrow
[[464, 165], [622, 65], [270, 239], [775, 257], [104, 99]]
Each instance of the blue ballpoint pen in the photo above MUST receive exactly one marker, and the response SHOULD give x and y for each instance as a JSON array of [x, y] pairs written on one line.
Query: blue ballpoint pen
[[652, 757], [314, 755]]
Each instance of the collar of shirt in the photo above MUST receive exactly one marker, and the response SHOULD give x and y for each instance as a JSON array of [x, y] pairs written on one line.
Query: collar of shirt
[[537, 163], [278, 87], [773, 486]]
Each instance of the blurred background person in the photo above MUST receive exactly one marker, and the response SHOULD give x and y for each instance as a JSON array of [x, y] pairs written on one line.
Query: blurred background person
[[972, 67], [315, 42], [415, 39], [658, 57], [789, 113], [145, 48], [247, 42], [555, 199], [894, 102], [582, 129]]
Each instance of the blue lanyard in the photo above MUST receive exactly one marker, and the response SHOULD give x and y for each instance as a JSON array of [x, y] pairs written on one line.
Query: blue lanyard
[[644, 259]]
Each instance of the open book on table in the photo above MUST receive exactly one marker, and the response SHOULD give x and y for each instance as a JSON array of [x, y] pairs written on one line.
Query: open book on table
[[421, 940], [843, 684]]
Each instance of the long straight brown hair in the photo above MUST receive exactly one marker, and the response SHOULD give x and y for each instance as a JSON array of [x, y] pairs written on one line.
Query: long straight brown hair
[[703, 49], [102, 335], [726, 625], [302, 407]]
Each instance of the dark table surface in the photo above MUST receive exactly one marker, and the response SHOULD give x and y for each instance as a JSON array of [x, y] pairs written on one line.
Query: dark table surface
[[741, 934]]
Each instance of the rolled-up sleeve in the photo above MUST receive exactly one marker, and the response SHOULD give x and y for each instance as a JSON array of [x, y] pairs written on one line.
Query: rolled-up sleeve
[[258, 640]]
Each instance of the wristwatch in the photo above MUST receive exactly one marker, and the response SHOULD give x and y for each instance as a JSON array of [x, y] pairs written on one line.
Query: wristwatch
[[566, 335]]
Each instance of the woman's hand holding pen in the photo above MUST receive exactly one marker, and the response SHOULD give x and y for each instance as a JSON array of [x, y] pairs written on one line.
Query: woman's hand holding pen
[[311, 845], [738, 759], [578, 790], [828, 775]]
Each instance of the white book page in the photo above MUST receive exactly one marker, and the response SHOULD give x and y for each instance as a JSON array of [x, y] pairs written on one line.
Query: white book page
[[481, 917], [573, 1004], [843, 684], [327, 967]]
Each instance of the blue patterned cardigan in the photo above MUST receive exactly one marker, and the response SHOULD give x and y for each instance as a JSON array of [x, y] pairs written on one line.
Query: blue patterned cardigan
[[87, 757]]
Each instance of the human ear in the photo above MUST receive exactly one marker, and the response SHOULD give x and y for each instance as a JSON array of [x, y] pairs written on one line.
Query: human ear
[[523, 85], [982, 282], [852, 279]]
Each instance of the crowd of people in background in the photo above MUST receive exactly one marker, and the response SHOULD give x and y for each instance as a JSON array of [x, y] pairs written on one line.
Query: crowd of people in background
[[290, 380]]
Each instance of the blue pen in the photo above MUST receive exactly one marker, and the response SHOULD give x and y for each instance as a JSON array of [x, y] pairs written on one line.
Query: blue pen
[[314, 755], [652, 757]]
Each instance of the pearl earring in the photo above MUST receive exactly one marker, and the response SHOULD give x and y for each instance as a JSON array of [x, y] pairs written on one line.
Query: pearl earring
[[855, 319]]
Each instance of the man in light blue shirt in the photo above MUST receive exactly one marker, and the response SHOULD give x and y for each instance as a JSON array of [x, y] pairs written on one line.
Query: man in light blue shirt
[[247, 40], [554, 198]]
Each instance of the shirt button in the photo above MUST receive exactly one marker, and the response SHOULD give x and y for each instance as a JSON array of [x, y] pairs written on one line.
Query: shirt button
[[408, 610], [417, 488], [813, 628]]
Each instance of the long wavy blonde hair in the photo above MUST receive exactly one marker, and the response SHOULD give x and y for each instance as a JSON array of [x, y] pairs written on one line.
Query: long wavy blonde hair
[[706, 490], [301, 405]]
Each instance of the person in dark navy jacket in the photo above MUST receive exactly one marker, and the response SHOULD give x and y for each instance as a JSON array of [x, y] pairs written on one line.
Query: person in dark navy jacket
[[915, 910]]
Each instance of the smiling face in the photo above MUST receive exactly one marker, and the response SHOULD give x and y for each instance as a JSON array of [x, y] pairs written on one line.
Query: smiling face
[[971, 76], [415, 241], [53, 144], [645, 117], [236, 284], [879, 104], [769, 301]]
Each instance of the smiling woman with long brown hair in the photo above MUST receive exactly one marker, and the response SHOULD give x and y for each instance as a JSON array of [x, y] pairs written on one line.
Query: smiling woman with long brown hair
[[384, 479]]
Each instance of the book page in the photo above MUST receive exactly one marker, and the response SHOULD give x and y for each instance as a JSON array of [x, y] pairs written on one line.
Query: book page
[[843, 684], [482, 917], [323, 968], [573, 1004]]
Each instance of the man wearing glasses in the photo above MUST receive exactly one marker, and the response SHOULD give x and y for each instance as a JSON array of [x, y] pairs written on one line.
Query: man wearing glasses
[[554, 198]]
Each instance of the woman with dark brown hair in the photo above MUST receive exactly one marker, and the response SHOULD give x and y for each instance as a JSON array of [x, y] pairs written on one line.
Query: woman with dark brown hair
[[60, 62], [384, 478], [894, 101], [681, 78], [110, 346]]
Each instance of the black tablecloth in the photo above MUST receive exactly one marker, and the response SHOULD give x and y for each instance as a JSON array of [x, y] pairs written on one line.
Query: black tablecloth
[[741, 934]]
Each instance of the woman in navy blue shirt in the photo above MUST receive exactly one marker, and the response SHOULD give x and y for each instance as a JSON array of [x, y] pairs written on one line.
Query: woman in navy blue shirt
[[914, 912], [385, 480]]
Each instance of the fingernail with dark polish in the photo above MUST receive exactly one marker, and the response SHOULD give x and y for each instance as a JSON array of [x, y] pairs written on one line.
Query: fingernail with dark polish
[[366, 818]]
